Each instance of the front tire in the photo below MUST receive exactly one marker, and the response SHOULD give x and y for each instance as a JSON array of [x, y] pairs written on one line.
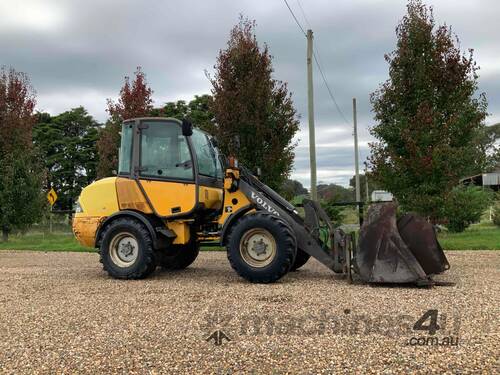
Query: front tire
[[126, 250], [261, 248]]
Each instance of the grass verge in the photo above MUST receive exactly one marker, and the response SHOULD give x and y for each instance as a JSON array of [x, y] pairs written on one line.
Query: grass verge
[[44, 242], [484, 236]]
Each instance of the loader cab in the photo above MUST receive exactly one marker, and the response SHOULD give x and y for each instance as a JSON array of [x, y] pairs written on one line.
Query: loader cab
[[176, 167]]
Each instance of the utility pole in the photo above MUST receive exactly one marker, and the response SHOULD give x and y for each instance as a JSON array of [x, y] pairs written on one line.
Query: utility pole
[[356, 154], [310, 110], [366, 183]]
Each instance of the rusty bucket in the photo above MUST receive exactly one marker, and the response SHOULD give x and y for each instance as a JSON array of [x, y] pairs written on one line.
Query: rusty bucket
[[398, 251]]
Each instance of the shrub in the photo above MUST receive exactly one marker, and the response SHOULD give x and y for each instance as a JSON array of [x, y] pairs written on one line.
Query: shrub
[[335, 213], [496, 210], [464, 206]]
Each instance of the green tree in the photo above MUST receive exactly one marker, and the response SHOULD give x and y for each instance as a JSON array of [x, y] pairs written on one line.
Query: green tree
[[466, 206], [430, 126], [335, 193], [292, 188], [134, 101], [372, 185], [68, 145], [254, 115], [197, 110], [21, 177]]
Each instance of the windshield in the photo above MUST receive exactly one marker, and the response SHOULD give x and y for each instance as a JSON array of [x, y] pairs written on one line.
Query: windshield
[[164, 151]]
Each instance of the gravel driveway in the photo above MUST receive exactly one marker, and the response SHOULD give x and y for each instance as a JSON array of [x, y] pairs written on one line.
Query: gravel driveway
[[59, 312]]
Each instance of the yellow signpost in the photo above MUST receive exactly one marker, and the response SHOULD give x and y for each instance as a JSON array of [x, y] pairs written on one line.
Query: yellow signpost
[[52, 197]]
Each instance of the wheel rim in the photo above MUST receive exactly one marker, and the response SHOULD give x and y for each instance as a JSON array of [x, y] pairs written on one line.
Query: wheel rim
[[124, 249], [258, 247]]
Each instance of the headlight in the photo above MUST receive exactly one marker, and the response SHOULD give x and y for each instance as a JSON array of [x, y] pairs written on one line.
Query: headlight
[[78, 207]]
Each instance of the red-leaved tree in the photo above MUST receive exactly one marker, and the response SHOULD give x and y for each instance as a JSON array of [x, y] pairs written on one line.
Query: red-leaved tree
[[21, 175], [255, 119], [134, 101]]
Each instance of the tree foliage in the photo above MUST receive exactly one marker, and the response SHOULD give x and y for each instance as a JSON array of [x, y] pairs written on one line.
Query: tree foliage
[[21, 177], [292, 188], [335, 193], [430, 126], [466, 206], [254, 114], [372, 185], [68, 145], [198, 111], [134, 101]]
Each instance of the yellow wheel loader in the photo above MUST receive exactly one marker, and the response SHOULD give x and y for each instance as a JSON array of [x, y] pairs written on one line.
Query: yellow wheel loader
[[173, 191]]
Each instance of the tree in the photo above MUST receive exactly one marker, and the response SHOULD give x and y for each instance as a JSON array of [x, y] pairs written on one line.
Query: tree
[[292, 188], [21, 177], [197, 110], [335, 193], [68, 145], [254, 115], [134, 101], [372, 185], [429, 124], [466, 206]]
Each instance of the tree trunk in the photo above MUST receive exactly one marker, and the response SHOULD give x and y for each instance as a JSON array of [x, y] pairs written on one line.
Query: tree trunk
[[5, 234]]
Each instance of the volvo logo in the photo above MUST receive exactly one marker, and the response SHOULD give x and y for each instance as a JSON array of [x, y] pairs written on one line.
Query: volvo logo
[[264, 204]]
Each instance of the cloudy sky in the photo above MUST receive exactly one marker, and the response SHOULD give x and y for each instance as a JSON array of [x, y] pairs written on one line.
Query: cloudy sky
[[77, 53]]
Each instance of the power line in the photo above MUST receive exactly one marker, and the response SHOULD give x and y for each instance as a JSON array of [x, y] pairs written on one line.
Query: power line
[[295, 18], [330, 90], [316, 58], [303, 14]]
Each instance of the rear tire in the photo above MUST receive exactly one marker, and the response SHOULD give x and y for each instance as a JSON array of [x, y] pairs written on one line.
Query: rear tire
[[178, 257], [126, 250], [301, 259], [261, 248]]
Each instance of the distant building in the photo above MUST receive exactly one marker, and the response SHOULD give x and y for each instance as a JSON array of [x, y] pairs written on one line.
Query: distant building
[[381, 196], [490, 180]]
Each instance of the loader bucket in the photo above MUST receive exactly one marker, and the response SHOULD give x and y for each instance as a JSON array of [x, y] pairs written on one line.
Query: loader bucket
[[397, 252], [420, 237]]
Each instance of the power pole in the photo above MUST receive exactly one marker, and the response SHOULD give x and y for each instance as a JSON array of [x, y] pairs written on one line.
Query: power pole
[[366, 183], [310, 109], [356, 154]]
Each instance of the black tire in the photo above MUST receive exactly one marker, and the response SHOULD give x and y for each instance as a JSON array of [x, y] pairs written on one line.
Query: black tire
[[178, 257], [144, 263], [301, 259], [284, 248]]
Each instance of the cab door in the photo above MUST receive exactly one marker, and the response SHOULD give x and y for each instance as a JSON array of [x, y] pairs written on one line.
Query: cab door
[[209, 171], [166, 168]]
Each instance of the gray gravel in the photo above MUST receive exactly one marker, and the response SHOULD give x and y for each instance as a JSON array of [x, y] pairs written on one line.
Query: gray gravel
[[60, 313]]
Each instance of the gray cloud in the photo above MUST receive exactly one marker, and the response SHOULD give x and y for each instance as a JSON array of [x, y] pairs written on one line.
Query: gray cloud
[[78, 52]]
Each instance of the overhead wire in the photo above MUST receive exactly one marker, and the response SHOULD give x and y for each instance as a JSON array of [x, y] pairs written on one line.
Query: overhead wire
[[317, 59], [295, 18]]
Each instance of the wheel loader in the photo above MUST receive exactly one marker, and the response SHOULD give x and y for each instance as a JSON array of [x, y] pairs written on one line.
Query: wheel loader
[[174, 190]]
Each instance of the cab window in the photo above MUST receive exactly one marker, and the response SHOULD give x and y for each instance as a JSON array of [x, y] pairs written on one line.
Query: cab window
[[206, 154], [125, 149], [165, 152]]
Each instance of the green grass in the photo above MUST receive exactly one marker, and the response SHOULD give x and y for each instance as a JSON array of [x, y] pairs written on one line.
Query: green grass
[[484, 236], [43, 242]]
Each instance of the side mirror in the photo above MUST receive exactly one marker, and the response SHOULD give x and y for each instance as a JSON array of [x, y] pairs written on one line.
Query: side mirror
[[187, 128]]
